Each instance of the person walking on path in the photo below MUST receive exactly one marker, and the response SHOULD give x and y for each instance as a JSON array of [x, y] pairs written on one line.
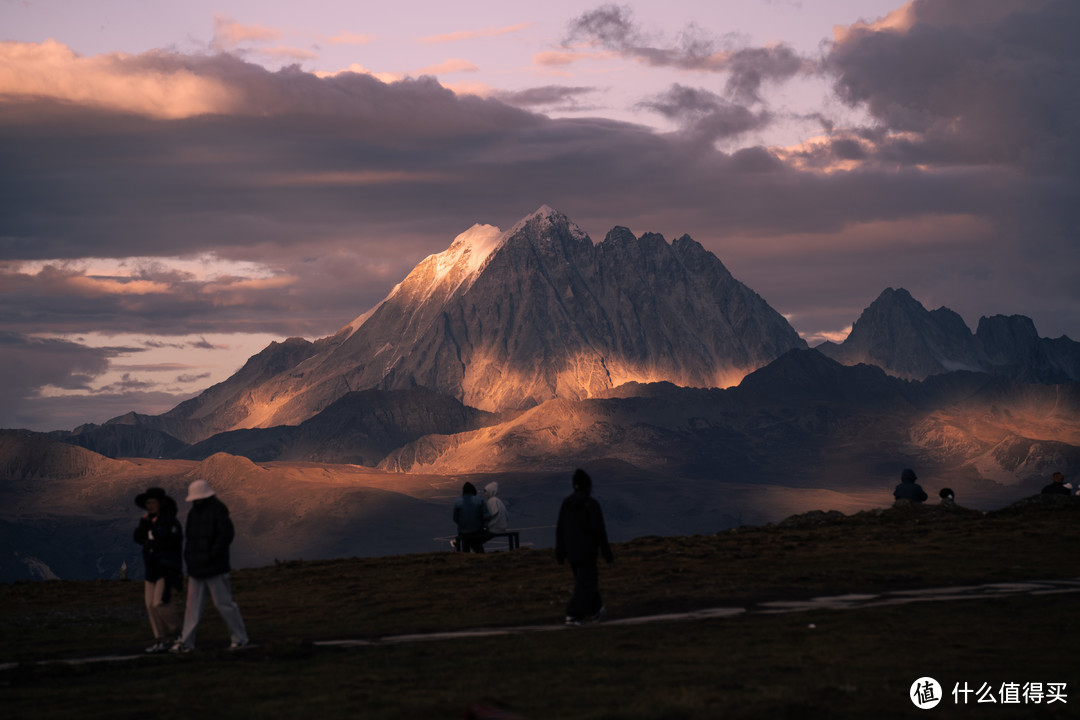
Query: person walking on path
[[471, 515], [162, 541], [580, 537], [209, 534], [908, 489]]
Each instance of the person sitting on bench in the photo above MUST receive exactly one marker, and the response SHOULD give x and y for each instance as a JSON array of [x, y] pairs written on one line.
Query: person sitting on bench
[[471, 515], [497, 523]]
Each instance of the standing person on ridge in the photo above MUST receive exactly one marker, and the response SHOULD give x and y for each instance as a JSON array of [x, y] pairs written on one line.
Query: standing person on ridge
[[162, 540], [471, 515], [580, 536], [209, 534], [1056, 486]]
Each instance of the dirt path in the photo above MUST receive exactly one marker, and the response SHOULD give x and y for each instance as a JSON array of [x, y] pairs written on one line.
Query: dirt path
[[833, 602]]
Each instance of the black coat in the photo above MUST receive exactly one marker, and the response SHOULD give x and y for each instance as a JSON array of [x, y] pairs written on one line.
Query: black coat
[[209, 534], [162, 539], [1056, 488], [580, 534]]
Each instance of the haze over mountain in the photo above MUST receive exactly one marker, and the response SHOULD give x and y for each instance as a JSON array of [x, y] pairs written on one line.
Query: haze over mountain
[[507, 320]]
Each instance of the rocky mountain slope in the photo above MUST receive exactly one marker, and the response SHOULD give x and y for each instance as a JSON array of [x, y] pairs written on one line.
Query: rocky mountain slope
[[901, 336], [507, 320]]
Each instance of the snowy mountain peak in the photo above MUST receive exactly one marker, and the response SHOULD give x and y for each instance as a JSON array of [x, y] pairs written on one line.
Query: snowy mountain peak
[[545, 218], [469, 250]]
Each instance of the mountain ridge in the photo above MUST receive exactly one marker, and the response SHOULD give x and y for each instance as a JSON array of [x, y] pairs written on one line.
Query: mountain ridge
[[508, 320]]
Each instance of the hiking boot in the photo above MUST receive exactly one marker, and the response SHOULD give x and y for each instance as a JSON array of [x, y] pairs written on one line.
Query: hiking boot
[[599, 614], [239, 645], [159, 647], [179, 648], [571, 620]]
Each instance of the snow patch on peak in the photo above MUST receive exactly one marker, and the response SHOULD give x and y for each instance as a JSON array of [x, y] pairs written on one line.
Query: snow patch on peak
[[470, 248]]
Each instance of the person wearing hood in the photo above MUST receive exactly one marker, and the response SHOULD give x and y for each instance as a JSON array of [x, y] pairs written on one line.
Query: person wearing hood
[[908, 489], [209, 535], [580, 537], [471, 515], [161, 538], [498, 522]]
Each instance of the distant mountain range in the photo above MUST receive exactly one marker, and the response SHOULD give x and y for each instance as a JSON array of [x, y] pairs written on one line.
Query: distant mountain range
[[899, 335]]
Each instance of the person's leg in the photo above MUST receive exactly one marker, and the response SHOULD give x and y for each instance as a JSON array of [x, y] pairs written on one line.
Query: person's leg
[[168, 618], [585, 601], [221, 592], [149, 589], [196, 602]]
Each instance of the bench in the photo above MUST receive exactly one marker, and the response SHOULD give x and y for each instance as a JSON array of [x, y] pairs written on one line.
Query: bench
[[511, 536]]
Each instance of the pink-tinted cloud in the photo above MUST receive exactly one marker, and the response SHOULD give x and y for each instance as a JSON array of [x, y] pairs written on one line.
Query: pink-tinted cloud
[[229, 34], [154, 84], [448, 67], [472, 34]]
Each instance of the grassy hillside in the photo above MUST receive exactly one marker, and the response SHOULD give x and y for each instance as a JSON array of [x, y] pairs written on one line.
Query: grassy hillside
[[849, 664]]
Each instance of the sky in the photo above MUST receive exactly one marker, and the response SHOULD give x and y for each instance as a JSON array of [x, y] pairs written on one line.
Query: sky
[[183, 183]]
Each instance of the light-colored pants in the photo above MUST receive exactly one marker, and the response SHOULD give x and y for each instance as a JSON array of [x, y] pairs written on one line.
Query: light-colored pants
[[220, 589], [164, 619]]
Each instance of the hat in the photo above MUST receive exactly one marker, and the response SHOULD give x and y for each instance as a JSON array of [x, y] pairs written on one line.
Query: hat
[[199, 490], [154, 493]]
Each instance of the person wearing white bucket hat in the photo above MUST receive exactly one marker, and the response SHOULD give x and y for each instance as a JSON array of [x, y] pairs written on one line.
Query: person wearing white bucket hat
[[209, 533]]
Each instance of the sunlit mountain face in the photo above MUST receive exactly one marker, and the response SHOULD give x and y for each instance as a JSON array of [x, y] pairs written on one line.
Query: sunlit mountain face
[[507, 320]]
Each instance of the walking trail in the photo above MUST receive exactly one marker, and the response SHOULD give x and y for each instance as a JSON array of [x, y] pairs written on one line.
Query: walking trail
[[833, 602]]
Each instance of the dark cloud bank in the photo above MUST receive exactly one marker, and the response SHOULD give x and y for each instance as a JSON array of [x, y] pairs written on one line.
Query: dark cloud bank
[[963, 191]]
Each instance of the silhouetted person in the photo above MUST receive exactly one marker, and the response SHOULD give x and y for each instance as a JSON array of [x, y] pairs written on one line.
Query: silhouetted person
[[1057, 486], [471, 515], [580, 537], [162, 542], [908, 489], [209, 535], [947, 496]]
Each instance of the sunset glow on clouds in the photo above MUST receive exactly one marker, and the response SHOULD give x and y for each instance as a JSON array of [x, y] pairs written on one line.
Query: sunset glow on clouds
[[255, 171]]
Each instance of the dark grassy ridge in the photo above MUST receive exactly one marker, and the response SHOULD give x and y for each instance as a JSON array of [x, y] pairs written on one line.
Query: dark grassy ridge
[[851, 665]]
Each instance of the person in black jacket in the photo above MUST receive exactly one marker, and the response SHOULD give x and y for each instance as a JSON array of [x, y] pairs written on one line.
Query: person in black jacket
[[161, 538], [580, 536], [209, 534]]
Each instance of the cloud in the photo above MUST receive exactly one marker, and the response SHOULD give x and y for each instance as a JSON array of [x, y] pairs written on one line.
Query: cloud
[[29, 364], [154, 84], [968, 83], [613, 28], [472, 34], [339, 184], [558, 96], [453, 65], [704, 115], [233, 37], [229, 34]]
